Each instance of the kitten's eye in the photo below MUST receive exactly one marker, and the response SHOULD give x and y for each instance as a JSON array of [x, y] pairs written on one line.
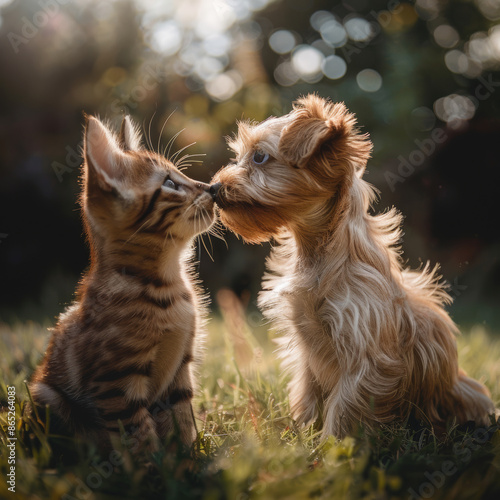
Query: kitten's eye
[[169, 183], [259, 157]]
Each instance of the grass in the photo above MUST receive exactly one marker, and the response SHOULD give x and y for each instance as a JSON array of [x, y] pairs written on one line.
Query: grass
[[247, 446]]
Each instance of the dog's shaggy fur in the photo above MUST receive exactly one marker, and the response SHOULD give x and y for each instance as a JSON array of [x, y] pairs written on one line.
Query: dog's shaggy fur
[[364, 339]]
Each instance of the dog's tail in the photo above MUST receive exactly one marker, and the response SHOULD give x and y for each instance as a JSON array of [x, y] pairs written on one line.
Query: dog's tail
[[474, 402]]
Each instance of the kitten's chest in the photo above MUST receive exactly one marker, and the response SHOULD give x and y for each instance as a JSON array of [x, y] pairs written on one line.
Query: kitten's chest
[[175, 341]]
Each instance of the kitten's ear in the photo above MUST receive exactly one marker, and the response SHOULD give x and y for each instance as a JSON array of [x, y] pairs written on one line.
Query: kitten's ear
[[103, 157], [129, 137]]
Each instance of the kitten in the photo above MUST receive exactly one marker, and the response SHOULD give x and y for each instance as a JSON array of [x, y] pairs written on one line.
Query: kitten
[[123, 351]]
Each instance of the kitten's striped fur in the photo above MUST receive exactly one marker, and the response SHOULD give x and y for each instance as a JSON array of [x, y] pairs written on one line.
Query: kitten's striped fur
[[124, 350]]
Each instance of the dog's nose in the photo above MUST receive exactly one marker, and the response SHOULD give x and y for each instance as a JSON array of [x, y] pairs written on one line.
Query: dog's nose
[[214, 189]]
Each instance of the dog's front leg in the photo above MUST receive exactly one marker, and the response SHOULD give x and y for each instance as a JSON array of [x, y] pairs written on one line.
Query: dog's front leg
[[304, 395], [373, 398]]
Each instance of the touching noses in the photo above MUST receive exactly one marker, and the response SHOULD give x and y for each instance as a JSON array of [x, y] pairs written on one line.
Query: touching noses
[[214, 190]]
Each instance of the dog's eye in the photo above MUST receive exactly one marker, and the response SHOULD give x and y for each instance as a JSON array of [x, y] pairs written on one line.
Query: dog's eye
[[169, 183], [259, 157]]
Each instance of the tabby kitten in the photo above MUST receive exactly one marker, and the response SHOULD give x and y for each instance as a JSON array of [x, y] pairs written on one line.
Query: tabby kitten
[[123, 351]]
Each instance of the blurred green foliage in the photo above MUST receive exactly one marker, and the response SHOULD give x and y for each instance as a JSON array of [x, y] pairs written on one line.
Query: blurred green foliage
[[406, 69]]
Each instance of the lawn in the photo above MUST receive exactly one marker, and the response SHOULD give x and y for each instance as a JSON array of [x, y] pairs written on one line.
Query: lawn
[[248, 446]]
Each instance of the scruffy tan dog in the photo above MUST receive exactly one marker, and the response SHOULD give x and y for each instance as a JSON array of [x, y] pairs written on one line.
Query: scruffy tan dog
[[364, 339]]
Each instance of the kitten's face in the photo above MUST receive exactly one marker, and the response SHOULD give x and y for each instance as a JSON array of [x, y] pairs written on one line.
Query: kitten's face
[[134, 193]]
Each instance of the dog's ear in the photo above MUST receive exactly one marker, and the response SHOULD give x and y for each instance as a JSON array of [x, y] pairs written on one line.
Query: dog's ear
[[314, 123]]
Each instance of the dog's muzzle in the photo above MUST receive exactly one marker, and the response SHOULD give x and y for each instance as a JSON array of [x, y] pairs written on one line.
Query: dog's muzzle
[[214, 190]]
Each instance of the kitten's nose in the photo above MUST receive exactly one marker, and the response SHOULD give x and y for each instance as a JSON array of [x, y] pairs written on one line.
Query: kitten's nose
[[214, 190]]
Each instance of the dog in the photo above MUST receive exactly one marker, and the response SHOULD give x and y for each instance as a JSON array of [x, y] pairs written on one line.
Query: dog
[[365, 340]]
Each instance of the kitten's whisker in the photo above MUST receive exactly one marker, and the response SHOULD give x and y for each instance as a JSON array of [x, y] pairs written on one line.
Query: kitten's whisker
[[168, 236], [144, 130], [204, 213], [162, 129], [148, 137], [135, 232], [149, 155], [177, 153], [170, 143], [193, 161], [210, 241], [196, 231], [187, 156], [184, 164], [205, 247], [217, 230], [148, 142], [219, 237], [208, 215], [208, 236]]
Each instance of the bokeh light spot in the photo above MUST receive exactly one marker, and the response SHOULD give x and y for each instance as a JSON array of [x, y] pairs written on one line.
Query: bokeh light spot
[[217, 45], [334, 67], [427, 9], [333, 33], [358, 29], [208, 67], [307, 60], [478, 47], [456, 61], [166, 38], [454, 108], [319, 18], [489, 8], [446, 36], [494, 37], [114, 76], [224, 86], [369, 80], [423, 118], [285, 75], [282, 41]]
